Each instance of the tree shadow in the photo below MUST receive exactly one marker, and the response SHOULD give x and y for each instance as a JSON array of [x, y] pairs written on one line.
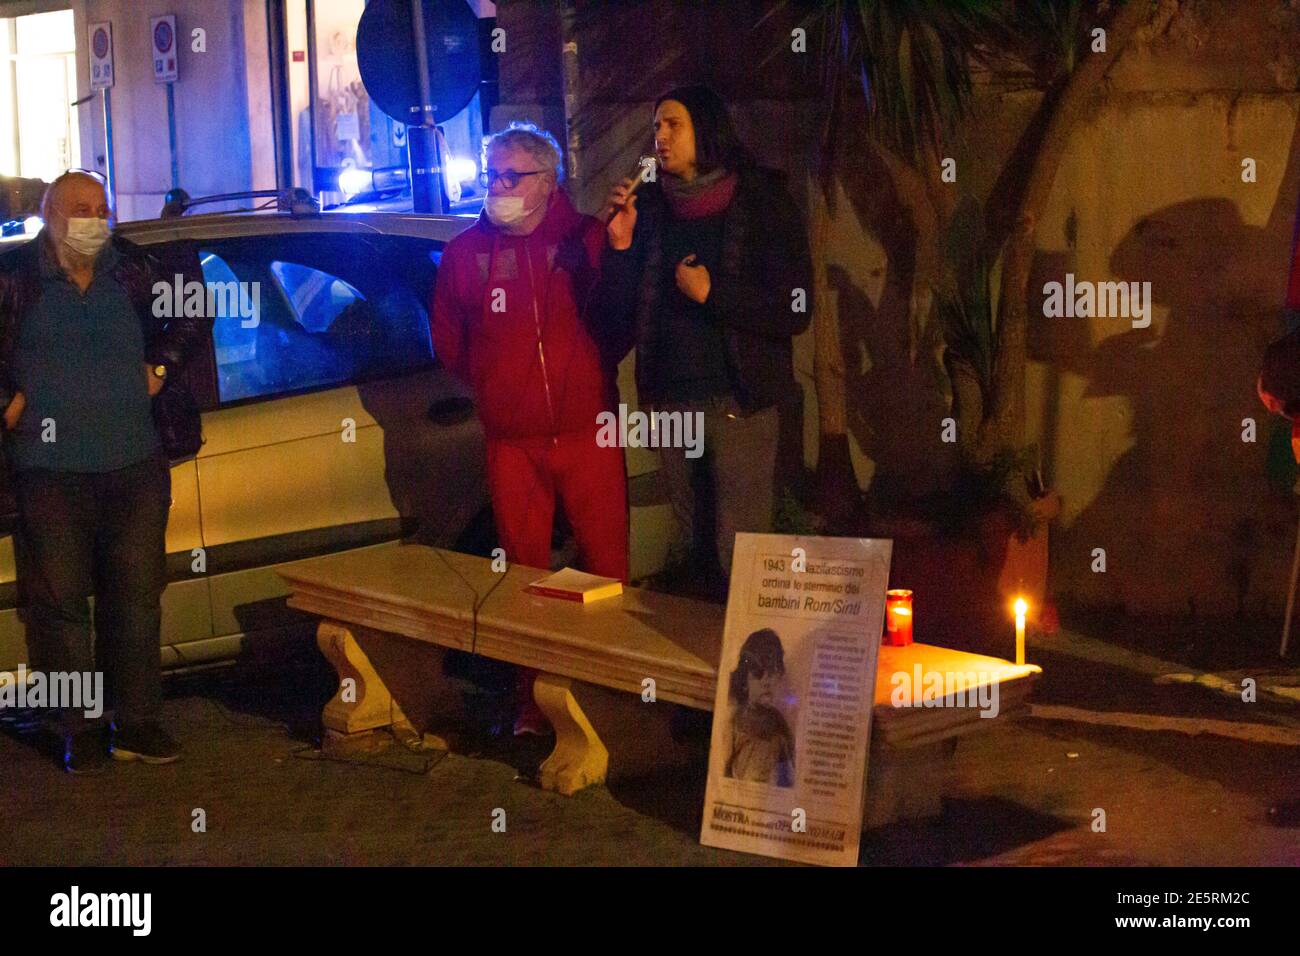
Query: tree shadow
[[896, 400], [895, 408]]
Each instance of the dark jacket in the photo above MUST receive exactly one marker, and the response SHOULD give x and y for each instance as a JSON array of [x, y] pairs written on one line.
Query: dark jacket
[[168, 341], [172, 342], [764, 259]]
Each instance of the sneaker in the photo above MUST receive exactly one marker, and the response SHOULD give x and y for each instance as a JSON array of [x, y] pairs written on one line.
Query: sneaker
[[147, 742], [85, 754], [531, 720]]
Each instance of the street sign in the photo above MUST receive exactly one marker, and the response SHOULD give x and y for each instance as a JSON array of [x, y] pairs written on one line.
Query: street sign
[[164, 48], [387, 59], [101, 55]]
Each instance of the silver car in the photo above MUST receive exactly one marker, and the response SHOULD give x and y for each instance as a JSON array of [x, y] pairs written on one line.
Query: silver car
[[328, 423]]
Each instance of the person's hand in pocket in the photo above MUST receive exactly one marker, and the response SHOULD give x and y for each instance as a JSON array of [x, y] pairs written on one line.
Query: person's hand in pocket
[[153, 381]]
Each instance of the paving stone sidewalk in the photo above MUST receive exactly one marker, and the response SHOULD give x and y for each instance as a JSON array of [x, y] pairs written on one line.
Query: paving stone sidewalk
[[1026, 795]]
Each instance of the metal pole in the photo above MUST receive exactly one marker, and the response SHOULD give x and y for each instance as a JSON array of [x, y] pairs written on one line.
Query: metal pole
[[110, 180], [572, 97], [12, 29], [171, 133], [1290, 594], [422, 136], [312, 93], [281, 113]]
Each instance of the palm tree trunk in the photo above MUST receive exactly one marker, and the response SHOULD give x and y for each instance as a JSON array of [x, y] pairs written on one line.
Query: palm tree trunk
[[828, 358], [836, 496], [1004, 420], [929, 206]]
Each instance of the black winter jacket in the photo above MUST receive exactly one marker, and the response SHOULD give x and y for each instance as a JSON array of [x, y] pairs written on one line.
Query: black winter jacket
[[764, 259], [168, 341]]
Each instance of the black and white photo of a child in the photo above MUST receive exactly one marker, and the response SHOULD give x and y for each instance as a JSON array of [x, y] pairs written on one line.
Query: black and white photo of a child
[[762, 746]]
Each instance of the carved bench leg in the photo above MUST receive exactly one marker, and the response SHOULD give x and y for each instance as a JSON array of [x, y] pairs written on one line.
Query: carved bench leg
[[363, 703], [579, 758]]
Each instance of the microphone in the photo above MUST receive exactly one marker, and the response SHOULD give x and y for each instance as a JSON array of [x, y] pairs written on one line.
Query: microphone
[[643, 164]]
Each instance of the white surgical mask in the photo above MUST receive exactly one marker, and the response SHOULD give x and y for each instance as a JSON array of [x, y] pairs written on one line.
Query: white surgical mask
[[86, 236], [507, 210]]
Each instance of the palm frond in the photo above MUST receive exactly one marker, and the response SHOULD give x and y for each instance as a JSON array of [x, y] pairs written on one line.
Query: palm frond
[[966, 307]]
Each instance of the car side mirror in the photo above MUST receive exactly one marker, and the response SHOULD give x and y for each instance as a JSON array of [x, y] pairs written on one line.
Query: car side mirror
[[451, 411]]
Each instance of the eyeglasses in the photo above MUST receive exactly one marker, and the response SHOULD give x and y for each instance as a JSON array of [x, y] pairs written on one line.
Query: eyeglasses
[[509, 178]]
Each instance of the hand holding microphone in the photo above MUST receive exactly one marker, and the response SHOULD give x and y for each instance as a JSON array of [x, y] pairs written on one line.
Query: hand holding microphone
[[620, 208]]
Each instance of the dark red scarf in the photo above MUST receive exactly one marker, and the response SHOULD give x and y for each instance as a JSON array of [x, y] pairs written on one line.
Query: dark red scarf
[[692, 201]]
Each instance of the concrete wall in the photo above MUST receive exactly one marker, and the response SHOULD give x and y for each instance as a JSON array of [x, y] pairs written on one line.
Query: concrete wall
[[223, 129], [1141, 429]]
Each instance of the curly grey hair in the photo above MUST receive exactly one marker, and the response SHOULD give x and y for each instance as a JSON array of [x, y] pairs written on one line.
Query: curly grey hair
[[533, 140]]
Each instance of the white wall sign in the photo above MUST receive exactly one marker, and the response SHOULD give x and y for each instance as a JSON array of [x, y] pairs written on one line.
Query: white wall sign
[[163, 30], [101, 55], [796, 687]]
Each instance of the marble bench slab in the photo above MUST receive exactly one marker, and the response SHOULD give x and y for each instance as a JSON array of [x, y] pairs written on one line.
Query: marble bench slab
[[456, 601]]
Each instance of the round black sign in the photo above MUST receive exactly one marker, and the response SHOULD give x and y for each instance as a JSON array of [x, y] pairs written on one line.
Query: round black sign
[[386, 56]]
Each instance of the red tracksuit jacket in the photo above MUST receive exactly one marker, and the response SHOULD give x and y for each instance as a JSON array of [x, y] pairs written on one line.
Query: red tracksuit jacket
[[508, 319]]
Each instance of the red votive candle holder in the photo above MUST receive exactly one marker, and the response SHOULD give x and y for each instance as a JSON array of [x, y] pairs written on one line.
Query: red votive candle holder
[[898, 618]]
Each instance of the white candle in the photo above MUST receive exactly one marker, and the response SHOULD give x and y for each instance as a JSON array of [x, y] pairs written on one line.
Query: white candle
[[1021, 607]]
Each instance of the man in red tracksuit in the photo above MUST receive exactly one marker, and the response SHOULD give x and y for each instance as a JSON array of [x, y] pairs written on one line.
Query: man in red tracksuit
[[510, 317]]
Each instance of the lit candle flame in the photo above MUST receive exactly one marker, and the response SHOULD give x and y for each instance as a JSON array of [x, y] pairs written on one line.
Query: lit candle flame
[[1021, 607]]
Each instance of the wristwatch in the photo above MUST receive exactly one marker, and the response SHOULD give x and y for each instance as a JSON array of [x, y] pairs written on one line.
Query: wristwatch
[[160, 371]]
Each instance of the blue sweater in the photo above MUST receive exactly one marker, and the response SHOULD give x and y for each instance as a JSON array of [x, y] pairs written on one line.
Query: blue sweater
[[79, 361]]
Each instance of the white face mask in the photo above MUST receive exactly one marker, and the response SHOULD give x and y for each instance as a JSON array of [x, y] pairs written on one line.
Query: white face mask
[[87, 236], [507, 210]]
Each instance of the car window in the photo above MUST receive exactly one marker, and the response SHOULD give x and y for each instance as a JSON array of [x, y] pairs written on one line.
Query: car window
[[234, 340], [318, 311], [315, 297]]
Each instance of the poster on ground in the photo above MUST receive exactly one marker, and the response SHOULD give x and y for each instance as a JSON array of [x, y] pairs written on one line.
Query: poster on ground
[[796, 682]]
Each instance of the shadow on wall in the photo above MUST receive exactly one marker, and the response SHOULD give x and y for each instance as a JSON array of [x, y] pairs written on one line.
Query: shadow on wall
[[895, 408], [1187, 516], [896, 403]]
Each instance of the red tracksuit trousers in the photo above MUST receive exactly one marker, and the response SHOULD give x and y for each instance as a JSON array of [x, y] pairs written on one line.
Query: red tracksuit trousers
[[525, 478]]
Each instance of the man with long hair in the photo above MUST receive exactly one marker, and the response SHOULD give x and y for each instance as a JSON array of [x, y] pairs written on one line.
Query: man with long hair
[[709, 267]]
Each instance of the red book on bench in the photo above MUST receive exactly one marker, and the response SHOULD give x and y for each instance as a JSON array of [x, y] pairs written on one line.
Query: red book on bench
[[570, 585]]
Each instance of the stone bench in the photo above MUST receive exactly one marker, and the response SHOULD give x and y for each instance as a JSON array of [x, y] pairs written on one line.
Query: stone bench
[[390, 613]]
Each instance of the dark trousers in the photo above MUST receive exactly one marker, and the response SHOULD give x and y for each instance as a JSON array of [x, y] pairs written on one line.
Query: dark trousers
[[100, 533], [739, 467]]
